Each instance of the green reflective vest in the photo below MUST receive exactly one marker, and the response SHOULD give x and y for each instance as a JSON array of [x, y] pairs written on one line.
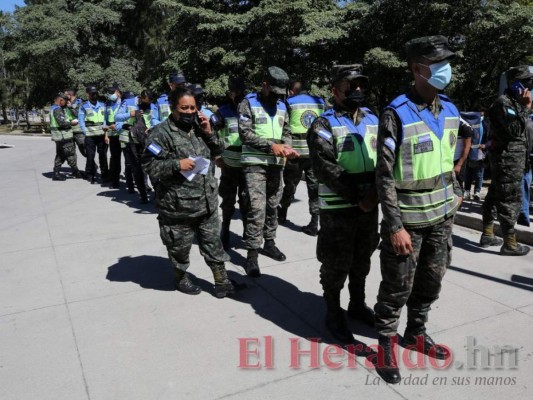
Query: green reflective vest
[[424, 164], [267, 127], [230, 134], [94, 119], [303, 110], [59, 134], [356, 149], [111, 111]]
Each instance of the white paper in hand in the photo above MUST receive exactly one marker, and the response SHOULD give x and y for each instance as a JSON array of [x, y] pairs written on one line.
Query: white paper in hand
[[201, 166]]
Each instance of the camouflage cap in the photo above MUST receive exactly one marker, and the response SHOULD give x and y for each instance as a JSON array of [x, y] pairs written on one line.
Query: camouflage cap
[[177, 78], [349, 72], [278, 80], [91, 89], [434, 48], [236, 84], [62, 95], [520, 73]]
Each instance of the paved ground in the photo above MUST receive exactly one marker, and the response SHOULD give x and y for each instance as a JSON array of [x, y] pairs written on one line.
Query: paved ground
[[87, 309]]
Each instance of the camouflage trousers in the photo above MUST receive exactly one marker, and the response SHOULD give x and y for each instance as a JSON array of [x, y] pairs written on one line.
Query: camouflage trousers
[[178, 236], [292, 175], [264, 185], [65, 151], [414, 280], [504, 200], [232, 184], [346, 241], [79, 138]]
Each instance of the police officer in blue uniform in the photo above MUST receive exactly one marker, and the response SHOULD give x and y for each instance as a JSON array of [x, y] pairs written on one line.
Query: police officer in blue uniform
[[114, 99], [175, 79], [91, 117]]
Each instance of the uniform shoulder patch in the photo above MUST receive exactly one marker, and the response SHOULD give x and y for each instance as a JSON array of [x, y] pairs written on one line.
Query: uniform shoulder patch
[[155, 149], [324, 134], [244, 118], [510, 111]]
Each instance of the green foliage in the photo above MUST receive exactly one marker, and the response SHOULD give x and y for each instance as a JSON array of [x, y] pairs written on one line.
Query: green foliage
[[52, 44]]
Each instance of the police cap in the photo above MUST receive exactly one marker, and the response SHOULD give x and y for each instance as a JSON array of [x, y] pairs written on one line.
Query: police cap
[[91, 89], [177, 78], [278, 80], [236, 84], [520, 73], [114, 87], [434, 48], [349, 72]]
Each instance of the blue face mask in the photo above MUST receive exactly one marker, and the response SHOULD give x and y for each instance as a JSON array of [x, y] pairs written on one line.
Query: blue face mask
[[441, 74], [112, 97]]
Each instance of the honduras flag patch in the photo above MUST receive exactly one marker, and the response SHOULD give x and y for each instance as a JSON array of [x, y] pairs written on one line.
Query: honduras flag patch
[[154, 149]]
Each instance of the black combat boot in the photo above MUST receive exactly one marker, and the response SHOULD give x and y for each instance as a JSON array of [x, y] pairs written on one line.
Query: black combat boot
[[386, 365], [76, 173], [224, 233], [252, 264], [312, 228], [115, 185], [91, 179], [184, 284], [270, 250], [357, 308], [335, 320], [487, 238], [223, 286], [58, 177], [282, 214], [511, 247], [423, 343]]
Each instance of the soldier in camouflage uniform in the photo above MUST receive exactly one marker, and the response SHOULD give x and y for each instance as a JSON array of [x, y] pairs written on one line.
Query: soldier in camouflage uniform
[[342, 145], [509, 159], [303, 109], [72, 113], [61, 129], [266, 138], [187, 207], [419, 196], [232, 181]]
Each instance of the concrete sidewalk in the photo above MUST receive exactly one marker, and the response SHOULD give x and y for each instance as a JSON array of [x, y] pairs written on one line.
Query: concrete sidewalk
[[87, 309]]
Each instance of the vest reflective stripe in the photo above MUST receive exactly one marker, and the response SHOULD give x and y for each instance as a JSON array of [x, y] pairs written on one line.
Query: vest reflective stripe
[[59, 134], [329, 200], [424, 164], [70, 115], [304, 109], [94, 120], [356, 147], [163, 107], [111, 119], [230, 134], [266, 127]]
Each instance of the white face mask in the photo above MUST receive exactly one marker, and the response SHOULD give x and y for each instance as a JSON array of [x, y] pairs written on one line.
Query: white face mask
[[441, 74]]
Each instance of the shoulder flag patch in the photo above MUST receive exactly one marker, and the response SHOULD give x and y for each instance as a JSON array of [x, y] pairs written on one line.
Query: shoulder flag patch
[[324, 134], [154, 149], [389, 142]]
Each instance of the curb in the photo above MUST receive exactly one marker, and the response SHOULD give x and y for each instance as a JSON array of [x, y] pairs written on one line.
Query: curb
[[474, 221]]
